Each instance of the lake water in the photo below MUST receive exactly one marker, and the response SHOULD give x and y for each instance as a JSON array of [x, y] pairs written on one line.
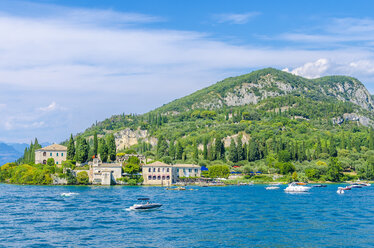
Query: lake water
[[244, 216]]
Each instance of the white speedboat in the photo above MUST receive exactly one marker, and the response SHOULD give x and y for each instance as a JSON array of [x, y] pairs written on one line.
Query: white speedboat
[[295, 187], [340, 190], [271, 188], [145, 205]]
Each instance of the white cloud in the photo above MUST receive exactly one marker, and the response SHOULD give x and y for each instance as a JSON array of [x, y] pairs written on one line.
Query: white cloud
[[96, 69], [50, 107], [311, 69], [235, 18]]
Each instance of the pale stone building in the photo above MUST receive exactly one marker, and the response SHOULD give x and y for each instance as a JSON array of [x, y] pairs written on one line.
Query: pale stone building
[[159, 173], [104, 173], [55, 151], [186, 170]]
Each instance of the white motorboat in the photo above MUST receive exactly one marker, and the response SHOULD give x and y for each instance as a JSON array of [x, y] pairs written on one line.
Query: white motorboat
[[271, 188], [294, 187], [145, 205], [340, 190]]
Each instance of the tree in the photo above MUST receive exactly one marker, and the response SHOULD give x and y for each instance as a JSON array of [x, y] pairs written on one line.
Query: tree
[[103, 150], [233, 152], [50, 161], [179, 150], [294, 176], [71, 149], [162, 147], [111, 144], [195, 152], [219, 149], [240, 149], [205, 152], [219, 171], [332, 148], [286, 168], [284, 156], [82, 177], [172, 149], [334, 170], [132, 169], [95, 144], [82, 150], [253, 153]]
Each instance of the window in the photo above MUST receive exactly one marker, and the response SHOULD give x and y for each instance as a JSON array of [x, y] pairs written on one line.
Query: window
[[158, 169], [57, 154], [149, 170], [62, 154], [167, 170], [57, 162], [189, 170], [44, 161], [149, 177], [177, 170], [167, 177], [154, 177], [44, 154], [154, 169], [196, 170], [158, 178], [163, 169], [50, 154], [184, 170], [163, 177]]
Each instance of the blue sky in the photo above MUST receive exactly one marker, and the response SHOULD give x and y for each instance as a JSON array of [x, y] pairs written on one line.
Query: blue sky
[[66, 64]]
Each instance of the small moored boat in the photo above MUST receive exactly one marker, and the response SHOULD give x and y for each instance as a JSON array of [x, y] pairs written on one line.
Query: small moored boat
[[319, 186], [145, 205], [272, 187]]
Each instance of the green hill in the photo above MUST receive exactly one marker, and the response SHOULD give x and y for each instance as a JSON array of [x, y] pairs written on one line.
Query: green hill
[[268, 120]]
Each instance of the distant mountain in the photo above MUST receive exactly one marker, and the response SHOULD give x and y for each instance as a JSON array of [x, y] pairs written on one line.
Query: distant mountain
[[8, 154]]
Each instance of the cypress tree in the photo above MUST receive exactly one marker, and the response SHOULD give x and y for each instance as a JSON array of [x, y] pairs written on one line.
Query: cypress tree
[[102, 150], [162, 147], [111, 144], [195, 152], [172, 149], [240, 149], [233, 152], [205, 152], [95, 144], [71, 148], [179, 150]]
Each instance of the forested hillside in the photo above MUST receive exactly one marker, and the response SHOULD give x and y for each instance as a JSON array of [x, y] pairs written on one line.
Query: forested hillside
[[267, 121]]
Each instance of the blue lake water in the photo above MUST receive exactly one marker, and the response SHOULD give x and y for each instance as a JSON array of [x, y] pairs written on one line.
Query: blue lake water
[[244, 216]]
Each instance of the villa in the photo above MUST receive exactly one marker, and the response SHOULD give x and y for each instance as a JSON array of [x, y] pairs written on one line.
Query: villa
[[55, 151], [159, 173]]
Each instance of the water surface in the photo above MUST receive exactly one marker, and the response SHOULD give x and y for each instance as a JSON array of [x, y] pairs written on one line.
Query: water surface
[[244, 216]]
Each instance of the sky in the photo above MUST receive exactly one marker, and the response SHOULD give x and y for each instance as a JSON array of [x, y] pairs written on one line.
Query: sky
[[66, 64]]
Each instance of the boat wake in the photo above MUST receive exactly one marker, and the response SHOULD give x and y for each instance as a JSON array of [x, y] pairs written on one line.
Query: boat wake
[[69, 194]]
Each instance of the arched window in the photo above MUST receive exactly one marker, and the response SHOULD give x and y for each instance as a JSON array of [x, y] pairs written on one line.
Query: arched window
[[163, 177], [154, 177], [158, 178], [44, 154], [44, 161], [149, 177], [167, 177]]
